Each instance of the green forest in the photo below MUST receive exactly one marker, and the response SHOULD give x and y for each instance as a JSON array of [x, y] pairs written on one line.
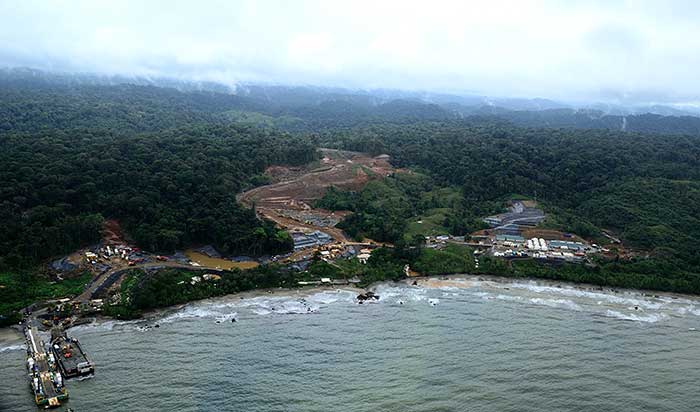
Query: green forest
[[642, 187], [167, 165], [167, 189]]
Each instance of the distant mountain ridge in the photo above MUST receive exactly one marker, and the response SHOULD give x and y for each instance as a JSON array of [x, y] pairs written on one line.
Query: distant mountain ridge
[[305, 108]]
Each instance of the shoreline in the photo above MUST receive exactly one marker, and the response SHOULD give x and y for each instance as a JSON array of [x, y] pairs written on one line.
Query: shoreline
[[553, 283], [250, 294], [425, 281]]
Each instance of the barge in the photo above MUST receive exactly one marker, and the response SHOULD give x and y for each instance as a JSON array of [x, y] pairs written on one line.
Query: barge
[[71, 359]]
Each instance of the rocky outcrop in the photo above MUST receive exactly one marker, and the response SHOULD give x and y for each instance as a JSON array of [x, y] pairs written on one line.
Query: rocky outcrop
[[362, 297]]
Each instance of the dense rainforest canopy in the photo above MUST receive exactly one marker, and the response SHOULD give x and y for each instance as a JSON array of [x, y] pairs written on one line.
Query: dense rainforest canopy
[[167, 165], [167, 189], [644, 187]]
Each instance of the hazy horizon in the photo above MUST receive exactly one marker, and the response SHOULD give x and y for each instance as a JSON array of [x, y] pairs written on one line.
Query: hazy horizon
[[623, 52]]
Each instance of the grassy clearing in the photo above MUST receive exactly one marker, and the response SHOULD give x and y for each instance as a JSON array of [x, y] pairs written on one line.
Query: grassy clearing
[[431, 223]]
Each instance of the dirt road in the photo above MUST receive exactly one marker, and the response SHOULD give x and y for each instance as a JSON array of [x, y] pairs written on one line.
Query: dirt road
[[111, 276], [289, 200]]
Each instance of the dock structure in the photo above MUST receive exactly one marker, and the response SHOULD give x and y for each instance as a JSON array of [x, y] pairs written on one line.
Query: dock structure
[[45, 380], [70, 357]]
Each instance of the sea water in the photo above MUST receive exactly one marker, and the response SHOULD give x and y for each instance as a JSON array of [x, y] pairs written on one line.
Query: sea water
[[458, 344]]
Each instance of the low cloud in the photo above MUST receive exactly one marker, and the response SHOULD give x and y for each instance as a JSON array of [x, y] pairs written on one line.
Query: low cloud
[[623, 51]]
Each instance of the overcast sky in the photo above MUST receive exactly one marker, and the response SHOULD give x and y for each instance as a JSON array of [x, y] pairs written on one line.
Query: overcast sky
[[589, 50]]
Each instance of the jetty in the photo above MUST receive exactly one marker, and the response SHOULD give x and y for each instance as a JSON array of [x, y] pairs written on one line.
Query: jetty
[[45, 381]]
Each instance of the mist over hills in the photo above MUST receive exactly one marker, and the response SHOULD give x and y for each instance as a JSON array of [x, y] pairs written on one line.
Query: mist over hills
[[302, 107]]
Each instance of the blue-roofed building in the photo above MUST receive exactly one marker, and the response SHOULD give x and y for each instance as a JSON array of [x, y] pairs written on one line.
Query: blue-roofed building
[[510, 238]]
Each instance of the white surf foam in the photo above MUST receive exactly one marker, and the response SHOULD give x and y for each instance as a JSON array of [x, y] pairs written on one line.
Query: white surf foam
[[328, 297], [394, 294], [263, 305], [556, 303], [287, 308], [510, 298], [13, 348], [227, 317], [598, 297], [105, 325], [191, 312], [650, 318]]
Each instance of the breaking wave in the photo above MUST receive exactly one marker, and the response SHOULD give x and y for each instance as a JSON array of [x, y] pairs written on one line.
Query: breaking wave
[[197, 312], [651, 318], [104, 325], [13, 348], [556, 303], [396, 294], [569, 291], [261, 305]]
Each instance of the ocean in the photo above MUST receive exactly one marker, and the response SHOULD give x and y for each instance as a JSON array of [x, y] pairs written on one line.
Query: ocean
[[458, 344]]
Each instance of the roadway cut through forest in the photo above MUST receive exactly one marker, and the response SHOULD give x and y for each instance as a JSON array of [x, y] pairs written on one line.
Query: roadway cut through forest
[[288, 201]]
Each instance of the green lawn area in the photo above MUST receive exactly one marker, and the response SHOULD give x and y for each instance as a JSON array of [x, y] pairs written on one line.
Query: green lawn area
[[431, 223]]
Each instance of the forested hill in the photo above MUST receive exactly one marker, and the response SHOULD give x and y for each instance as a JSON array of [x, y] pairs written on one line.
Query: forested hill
[[168, 189], [32, 101], [168, 163], [33, 104], [120, 108], [645, 187], [592, 119]]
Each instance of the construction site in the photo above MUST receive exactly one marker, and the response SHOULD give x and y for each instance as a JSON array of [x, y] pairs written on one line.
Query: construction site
[[289, 200]]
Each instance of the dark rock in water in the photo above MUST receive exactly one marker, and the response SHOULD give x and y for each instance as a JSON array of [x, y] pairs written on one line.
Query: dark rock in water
[[157, 325], [233, 320], [415, 283], [366, 296]]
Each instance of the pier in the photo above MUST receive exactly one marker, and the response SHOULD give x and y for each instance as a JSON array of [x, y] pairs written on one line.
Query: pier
[[44, 379]]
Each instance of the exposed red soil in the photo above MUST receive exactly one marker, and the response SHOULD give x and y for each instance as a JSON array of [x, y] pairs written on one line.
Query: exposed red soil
[[296, 188]]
